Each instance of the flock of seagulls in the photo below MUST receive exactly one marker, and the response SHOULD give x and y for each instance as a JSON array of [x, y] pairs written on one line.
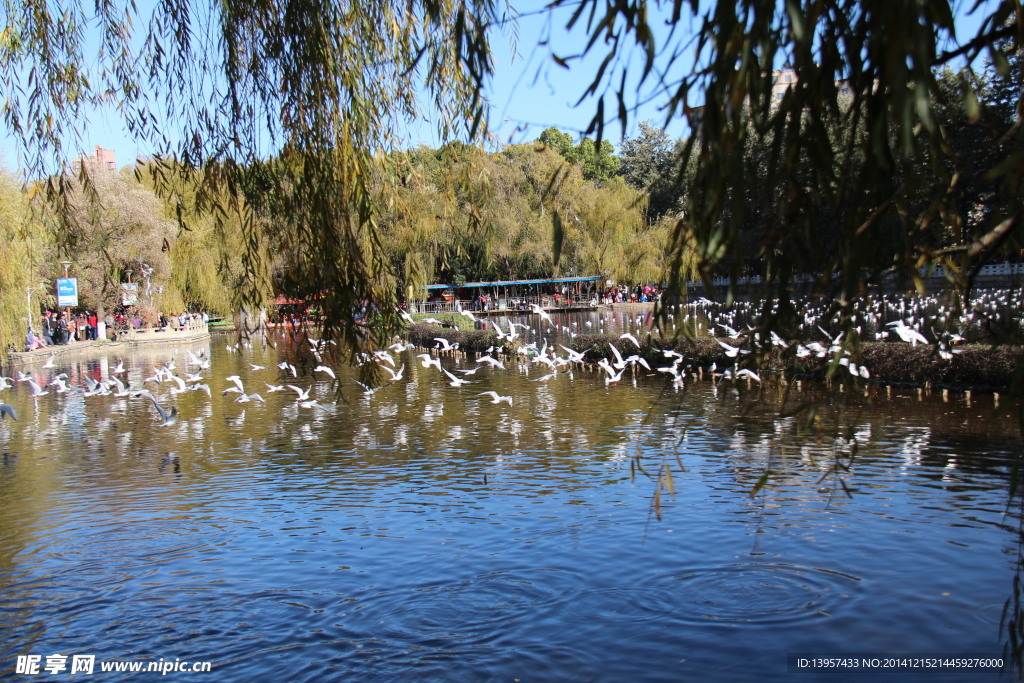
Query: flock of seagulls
[[918, 321]]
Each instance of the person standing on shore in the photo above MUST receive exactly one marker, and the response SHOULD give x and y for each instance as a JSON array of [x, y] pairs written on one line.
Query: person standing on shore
[[47, 325], [62, 330]]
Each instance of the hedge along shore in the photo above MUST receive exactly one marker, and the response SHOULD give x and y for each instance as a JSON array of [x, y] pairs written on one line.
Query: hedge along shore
[[972, 368], [131, 340]]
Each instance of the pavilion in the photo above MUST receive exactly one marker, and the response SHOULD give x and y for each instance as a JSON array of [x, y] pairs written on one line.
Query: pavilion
[[573, 293]]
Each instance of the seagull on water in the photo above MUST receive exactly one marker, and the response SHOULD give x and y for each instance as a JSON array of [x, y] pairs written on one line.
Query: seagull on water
[[6, 410]]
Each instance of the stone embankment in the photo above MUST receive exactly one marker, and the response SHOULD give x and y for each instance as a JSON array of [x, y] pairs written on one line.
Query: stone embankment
[[193, 332]]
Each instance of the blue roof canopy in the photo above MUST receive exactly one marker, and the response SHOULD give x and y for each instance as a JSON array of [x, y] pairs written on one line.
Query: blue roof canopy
[[499, 283]]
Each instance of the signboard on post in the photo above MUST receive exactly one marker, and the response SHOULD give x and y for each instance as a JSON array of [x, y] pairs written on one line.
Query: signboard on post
[[67, 291], [129, 293]]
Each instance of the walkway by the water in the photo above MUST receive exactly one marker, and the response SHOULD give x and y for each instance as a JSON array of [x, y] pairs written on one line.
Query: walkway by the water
[[141, 337]]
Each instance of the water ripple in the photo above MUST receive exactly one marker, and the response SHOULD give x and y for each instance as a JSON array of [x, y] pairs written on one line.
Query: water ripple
[[740, 593]]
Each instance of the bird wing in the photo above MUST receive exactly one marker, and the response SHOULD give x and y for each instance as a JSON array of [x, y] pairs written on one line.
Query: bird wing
[[159, 408], [618, 356], [6, 410]]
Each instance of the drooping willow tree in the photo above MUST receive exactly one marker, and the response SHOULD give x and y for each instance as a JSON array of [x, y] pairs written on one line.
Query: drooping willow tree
[[863, 136], [293, 97]]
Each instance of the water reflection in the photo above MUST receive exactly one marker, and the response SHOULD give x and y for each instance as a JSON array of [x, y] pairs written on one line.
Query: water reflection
[[425, 532]]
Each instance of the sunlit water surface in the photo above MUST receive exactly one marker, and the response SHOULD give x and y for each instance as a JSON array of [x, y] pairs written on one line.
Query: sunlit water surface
[[424, 533]]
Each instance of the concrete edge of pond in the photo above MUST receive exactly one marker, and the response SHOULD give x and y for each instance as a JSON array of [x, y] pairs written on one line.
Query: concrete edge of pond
[[135, 339]]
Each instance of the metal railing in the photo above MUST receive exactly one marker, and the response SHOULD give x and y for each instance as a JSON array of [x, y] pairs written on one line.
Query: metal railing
[[515, 303]]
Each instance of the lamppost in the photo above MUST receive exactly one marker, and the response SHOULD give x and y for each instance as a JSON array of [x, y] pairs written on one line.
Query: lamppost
[[28, 301]]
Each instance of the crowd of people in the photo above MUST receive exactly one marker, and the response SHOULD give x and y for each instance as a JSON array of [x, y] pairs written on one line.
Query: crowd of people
[[61, 328], [58, 328], [636, 294]]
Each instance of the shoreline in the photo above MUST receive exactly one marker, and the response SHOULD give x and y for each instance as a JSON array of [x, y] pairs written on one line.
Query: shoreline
[[131, 340]]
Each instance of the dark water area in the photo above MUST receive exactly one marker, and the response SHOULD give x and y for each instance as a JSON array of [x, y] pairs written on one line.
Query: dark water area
[[587, 531]]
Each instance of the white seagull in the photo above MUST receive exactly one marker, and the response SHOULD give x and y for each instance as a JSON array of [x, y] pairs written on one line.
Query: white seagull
[[303, 395], [165, 417], [455, 381], [495, 398], [427, 361], [445, 345], [324, 369]]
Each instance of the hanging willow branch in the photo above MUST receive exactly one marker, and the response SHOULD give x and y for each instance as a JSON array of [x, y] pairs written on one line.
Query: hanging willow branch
[[274, 110]]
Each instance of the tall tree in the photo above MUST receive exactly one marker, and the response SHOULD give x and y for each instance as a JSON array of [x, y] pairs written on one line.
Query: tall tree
[[123, 233], [26, 252], [324, 86], [598, 162], [650, 161], [221, 86]]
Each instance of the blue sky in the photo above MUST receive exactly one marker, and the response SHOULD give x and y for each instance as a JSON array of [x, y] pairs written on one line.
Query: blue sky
[[529, 93]]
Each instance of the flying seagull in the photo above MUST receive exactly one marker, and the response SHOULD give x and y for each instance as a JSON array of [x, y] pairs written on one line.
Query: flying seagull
[[165, 417], [495, 398], [324, 369]]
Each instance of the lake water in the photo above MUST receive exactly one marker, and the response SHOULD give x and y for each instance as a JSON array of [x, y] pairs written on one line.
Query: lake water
[[424, 533]]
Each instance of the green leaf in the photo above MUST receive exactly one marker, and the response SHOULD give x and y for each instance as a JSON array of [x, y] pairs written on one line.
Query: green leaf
[[762, 480]]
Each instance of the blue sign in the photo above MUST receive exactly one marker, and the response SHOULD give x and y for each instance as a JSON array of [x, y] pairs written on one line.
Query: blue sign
[[67, 291]]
